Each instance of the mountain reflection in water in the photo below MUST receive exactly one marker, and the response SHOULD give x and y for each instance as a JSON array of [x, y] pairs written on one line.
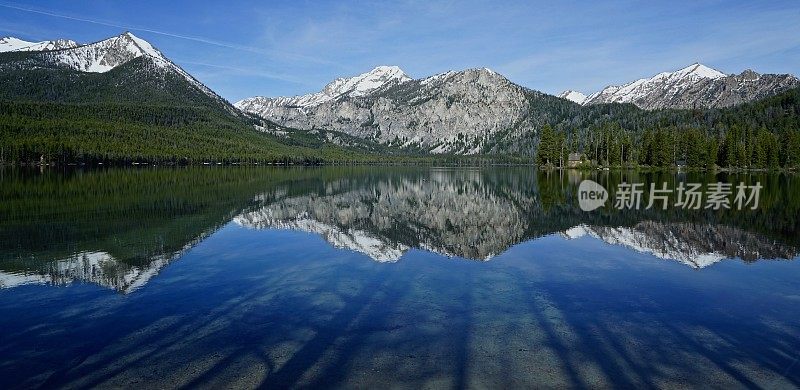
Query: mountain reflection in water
[[118, 228]]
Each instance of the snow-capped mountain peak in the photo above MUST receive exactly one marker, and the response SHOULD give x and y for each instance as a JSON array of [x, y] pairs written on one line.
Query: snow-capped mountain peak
[[97, 57], [693, 86], [16, 44], [359, 85], [698, 70], [363, 84], [102, 56], [145, 47], [366, 82], [573, 96]]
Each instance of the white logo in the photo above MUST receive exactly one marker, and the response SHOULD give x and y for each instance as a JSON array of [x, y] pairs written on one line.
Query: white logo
[[591, 195]]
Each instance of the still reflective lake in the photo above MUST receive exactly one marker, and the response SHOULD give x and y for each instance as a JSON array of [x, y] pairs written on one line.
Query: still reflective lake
[[375, 277]]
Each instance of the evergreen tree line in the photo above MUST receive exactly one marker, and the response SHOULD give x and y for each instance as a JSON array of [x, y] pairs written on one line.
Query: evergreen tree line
[[763, 134], [611, 145]]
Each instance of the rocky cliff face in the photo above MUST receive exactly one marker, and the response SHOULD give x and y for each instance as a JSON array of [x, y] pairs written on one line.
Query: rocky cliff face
[[448, 112]]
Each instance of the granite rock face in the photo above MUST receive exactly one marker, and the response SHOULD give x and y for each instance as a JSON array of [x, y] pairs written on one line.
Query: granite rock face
[[448, 112]]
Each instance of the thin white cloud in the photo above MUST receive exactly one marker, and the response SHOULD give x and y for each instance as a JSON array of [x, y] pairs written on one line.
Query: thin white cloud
[[248, 72]]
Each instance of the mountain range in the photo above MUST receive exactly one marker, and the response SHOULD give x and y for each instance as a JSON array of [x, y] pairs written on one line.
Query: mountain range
[[471, 111], [695, 86], [381, 112]]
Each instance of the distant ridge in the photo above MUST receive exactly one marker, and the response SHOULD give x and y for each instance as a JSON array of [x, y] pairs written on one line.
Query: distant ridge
[[695, 86]]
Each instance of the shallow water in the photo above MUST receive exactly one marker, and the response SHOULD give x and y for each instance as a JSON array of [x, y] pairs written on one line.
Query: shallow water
[[371, 277]]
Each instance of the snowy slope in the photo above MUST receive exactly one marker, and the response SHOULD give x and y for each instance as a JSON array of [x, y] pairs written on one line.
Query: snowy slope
[[11, 44], [573, 96], [16, 44], [670, 82], [100, 57], [360, 85], [58, 44]]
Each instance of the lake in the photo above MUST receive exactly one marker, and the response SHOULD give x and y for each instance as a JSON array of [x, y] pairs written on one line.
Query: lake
[[375, 277]]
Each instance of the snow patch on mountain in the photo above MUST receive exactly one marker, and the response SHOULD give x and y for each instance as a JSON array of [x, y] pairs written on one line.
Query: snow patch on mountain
[[437, 77], [573, 96]]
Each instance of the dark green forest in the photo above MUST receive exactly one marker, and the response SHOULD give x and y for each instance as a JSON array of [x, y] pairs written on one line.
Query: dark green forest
[[92, 133]]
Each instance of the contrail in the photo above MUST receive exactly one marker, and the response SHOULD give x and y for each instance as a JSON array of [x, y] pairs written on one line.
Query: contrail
[[173, 35], [248, 71]]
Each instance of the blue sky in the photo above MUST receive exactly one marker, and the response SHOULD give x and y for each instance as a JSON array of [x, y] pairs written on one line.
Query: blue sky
[[246, 48]]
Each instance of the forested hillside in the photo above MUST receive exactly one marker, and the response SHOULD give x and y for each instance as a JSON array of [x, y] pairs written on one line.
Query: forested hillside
[[136, 112], [761, 134]]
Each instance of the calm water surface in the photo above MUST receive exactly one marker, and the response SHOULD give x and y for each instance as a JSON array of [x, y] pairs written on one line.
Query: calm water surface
[[390, 277]]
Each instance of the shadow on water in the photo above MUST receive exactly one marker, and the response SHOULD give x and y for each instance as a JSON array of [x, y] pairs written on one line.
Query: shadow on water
[[330, 337]]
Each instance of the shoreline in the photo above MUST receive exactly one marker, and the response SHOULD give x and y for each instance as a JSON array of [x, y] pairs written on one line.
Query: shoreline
[[471, 164]]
